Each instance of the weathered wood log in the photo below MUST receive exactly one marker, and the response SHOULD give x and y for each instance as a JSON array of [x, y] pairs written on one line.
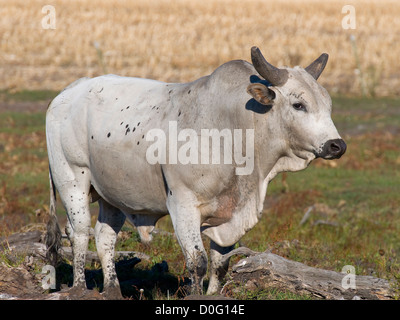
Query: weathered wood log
[[29, 243], [39, 250], [266, 269], [20, 239], [66, 252]]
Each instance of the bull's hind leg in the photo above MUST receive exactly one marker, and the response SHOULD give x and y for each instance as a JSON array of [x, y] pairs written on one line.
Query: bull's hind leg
[[74, 195], [109, 223]]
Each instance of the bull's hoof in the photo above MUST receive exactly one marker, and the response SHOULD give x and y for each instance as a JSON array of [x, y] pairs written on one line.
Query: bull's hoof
[[196, 289], [80, 292], [77, 292], [112, 293]]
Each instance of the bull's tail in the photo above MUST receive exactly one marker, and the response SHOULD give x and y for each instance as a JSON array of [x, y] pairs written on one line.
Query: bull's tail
[[53, 236]]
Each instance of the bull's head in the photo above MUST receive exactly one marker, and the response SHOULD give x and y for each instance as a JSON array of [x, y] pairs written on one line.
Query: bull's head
[[302, 105]]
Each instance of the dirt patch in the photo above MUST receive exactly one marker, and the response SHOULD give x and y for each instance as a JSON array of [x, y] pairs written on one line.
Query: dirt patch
[[19, 275], [17, 283]]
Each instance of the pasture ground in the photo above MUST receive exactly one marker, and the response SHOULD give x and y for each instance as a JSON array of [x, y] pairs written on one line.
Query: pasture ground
[[353, 203]]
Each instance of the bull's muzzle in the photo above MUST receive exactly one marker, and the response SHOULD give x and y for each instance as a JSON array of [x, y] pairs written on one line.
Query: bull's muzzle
[[333, 149]]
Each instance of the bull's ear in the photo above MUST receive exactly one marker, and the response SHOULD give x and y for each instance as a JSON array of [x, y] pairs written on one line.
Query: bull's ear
[[261, 93]]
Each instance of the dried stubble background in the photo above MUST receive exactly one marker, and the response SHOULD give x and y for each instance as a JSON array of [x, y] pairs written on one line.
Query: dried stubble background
[[179, 40]]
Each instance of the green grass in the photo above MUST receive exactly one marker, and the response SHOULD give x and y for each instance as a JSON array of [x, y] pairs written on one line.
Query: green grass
[[267, 294], [365, 114], [27, 95], [21, 122], [356, 198]]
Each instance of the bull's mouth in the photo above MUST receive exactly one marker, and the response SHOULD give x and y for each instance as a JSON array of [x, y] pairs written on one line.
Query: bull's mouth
[[332, 149]]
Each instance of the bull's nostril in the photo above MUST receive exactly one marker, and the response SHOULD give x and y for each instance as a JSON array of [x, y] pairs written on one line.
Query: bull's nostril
[[335, 148]]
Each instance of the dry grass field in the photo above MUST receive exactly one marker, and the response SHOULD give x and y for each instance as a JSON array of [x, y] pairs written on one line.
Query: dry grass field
[[182, 40]]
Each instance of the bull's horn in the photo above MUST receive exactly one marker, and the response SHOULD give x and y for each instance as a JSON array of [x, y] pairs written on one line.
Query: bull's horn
[[273, 75], [316, 68]]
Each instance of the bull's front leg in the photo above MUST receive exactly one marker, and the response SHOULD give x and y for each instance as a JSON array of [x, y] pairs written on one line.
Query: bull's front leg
[[186, 221]]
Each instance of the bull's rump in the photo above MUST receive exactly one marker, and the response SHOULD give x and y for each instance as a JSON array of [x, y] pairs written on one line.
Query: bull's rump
[[101, 124]]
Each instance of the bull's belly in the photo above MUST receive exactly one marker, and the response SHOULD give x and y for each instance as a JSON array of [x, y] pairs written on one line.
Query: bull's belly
[[134, 189]]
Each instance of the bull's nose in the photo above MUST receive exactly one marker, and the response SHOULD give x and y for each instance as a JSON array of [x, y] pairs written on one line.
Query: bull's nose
[[333, 149]]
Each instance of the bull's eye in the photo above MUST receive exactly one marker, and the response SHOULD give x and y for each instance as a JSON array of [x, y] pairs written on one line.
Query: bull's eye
[[299, 106]]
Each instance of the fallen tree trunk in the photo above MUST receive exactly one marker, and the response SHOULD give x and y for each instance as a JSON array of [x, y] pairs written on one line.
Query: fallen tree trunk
[[262, 270], [39, 250], [30, 243]]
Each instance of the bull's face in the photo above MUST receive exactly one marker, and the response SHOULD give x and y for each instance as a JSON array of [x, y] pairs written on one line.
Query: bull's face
[[301, 107]]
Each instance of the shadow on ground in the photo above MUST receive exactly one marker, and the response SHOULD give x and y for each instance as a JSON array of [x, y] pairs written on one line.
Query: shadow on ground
[[136, 283]]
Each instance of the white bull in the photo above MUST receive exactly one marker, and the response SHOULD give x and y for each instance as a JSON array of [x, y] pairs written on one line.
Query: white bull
[[119, 140]]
